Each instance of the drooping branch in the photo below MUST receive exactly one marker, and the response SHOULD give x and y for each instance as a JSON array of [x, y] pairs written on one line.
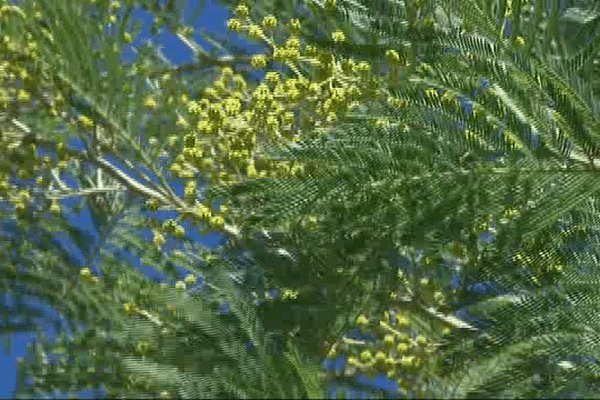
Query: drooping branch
[[172, 201]]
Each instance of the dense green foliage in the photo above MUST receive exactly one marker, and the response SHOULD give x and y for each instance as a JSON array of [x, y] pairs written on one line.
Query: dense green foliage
[[328, 188]]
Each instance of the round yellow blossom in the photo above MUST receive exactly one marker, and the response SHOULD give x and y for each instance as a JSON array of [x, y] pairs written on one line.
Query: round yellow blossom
[[216, 113], [23, 95], [388, 340], [269, 22], [272, 123], [127, 37], [190, 189], [93, 280], [421, 340], [179, 231], [272, 77], [226, 73], [85, 272], [59, 100], [129, 307], [242, 11], [158, 240], [251, 170], [382, 122], [366, 356], [19, 207], [295, 25], [338, 36], [212, 92], [217, 222], [181, 122], [402, 348], [180, 285], [287, 118], [114, 6], [239, 82], [292, 54], [152, 204], [232, 106], [258, 61], [112, 19], [289, 294], [311, 50], [332, 353], [280, 54], [193, 108], [407, 361], [314, 89], [380, 357], [302, 84], [392, 56], [348, 65], [6, 9], [190, 279], [4, 186], [363, 66], [150, 103], [520, 41], [402, 321], [186, 173], [24, 195], [55, 208], [557, 268], [254, 32], [433, 93], [362, 320], [219, 85], [234, 25], [293, 43], [390, 363], [175, 168], [202, 212], [352, 361], [86, 121]]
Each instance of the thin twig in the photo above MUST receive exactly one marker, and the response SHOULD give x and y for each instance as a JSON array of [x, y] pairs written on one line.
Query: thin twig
[[83, 192]]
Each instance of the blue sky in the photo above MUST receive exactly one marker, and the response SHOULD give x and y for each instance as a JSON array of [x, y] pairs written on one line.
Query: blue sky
[[212, 19]]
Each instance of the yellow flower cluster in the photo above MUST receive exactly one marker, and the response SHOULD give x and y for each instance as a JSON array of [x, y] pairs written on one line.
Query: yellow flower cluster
[[23, 51], [545, 262], [244, 120], [338, 36], [289, 294], [224, 132], [396, 351]]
